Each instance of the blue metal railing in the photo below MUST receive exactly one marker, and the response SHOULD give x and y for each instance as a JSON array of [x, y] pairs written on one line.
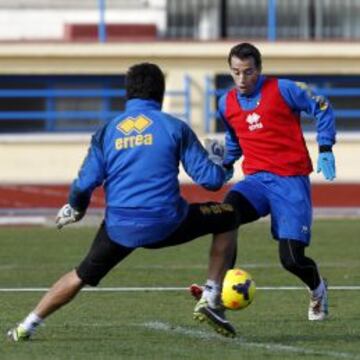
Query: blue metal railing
[[211, 94], [49, 115], [102, 24], [187, 99], [271, 20], [54, 93]]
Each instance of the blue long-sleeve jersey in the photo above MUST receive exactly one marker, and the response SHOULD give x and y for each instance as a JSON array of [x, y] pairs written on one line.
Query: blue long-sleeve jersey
[[298, 97], [136, 158]]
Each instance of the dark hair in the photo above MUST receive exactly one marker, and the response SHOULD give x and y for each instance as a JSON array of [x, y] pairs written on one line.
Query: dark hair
[[244, 51], [145, 81]]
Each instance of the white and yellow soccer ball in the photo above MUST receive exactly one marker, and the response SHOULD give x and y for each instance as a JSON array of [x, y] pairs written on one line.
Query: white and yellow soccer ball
[[238, 289]]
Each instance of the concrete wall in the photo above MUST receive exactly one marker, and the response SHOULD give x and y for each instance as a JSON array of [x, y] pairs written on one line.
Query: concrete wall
[[56, 159], [48, 24]]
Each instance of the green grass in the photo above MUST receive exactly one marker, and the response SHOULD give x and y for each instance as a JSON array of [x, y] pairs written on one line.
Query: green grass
[[159, 325]]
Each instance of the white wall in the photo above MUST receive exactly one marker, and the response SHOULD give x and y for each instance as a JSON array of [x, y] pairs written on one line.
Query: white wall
[[55, 159], [42, 24]]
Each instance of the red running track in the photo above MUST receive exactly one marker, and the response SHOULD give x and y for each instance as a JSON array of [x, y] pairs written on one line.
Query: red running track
[[54, 196]]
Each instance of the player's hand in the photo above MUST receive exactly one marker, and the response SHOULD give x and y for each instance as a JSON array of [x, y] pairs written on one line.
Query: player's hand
[[215, 150], [67, 215], [326, 165]]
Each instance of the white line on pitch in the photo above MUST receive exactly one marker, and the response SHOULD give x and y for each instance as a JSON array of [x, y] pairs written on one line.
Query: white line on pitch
[[271, 347], [129, 289]]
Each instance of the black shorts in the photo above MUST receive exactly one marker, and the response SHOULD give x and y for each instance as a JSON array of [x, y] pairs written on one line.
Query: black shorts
[[245, 211], [202, 219]]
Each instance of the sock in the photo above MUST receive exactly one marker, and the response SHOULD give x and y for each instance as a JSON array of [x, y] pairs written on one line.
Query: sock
[[212, 293], [317, 293], [31, 322]]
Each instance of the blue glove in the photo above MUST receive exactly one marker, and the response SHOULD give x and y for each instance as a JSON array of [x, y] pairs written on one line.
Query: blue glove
[[326, 165]]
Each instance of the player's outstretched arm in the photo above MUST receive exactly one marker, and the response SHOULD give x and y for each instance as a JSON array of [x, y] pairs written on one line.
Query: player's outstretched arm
[[90, 176], [216, 151], [202, 166], [68, 215]]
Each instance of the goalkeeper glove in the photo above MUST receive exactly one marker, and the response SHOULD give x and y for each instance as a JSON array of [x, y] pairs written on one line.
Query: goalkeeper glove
[[326, 162], [215, 150], [68, 215]]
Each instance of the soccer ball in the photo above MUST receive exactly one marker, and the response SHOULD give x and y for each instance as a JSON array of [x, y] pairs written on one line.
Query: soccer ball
[[238, 289]]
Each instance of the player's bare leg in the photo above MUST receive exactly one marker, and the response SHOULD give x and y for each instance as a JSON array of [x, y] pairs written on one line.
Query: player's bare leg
[[62, 292], [197, 290], [209, 306], [221, 254]]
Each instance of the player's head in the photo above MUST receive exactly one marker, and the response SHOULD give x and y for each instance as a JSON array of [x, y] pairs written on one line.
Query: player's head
[[145, 81], [245, 66]]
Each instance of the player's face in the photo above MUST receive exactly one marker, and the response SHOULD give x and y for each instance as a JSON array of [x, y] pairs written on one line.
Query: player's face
[[245, 74]]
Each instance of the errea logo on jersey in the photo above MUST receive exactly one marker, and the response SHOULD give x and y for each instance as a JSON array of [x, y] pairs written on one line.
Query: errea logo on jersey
[[139, 124], [254, 122], [131, 125]]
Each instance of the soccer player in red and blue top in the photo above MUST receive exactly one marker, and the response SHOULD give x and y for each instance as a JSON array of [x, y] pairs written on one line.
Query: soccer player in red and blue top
[[262, 120]]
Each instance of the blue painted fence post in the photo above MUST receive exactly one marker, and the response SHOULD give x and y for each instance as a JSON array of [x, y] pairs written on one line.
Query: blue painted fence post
[[102, 24], [271, 20]]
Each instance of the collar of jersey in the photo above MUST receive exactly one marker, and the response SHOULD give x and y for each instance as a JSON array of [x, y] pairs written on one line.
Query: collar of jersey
[[141, 103], [257, 89]]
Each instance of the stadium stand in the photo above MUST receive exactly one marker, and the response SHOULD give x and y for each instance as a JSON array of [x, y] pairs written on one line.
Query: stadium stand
[[300, 20]]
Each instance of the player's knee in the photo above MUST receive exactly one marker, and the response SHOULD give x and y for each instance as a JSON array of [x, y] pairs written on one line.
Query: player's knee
[[289, 262], [291, 254], [88, 276]]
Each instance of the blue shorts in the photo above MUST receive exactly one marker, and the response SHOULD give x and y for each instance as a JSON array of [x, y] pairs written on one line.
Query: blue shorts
[[286, 198]]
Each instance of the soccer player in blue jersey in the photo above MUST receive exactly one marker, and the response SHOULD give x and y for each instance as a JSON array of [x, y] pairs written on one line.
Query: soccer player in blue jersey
[[136, 158], [262, 120]]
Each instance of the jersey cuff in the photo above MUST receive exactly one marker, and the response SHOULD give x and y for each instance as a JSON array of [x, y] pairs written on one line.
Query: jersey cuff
[[325, 148]]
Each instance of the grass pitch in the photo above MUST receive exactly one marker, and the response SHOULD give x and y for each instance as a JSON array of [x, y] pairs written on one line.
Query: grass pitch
[[158, 324]]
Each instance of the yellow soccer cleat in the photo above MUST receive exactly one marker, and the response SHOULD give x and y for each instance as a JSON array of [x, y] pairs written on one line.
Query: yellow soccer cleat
[[18, 334], [214, 317]]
